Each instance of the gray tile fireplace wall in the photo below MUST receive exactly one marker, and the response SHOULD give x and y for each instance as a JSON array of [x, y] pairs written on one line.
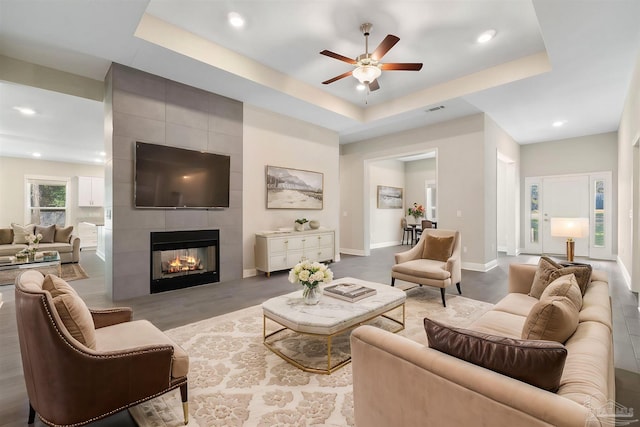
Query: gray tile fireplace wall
[[147, 108]]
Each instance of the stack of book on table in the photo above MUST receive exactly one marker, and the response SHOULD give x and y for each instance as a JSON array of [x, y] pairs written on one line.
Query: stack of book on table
[[6, 259], [349, 291]]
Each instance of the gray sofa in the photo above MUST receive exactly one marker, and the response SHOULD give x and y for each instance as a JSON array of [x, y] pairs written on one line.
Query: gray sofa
[[69, 250], [400, 382]]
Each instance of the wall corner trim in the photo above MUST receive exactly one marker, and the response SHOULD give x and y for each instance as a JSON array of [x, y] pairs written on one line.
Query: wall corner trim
[[480, 267]]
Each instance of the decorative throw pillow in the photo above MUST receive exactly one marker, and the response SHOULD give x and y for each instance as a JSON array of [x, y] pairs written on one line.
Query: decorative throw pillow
[[57, 286], [76, 317], [63, 235], [551, 319], [20, 233], [548, 271], [6, 236], [539, 363], [438, 248], [564, 286], [48, 232]]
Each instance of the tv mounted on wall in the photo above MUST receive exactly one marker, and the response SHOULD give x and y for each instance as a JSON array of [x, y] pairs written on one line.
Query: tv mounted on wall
[[173, 178]]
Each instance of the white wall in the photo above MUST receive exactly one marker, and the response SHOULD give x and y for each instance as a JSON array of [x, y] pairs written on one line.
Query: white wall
[[416, 173], [629, 225], [13, 188], [276, 140], [460, 146], [585, 154], [385, 227]]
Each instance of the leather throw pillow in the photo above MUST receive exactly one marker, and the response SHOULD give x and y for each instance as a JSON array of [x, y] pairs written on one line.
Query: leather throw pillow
[[539, 363], [438, 248]]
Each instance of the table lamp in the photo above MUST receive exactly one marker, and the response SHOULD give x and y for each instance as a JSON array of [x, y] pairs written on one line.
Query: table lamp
[[571, 228]]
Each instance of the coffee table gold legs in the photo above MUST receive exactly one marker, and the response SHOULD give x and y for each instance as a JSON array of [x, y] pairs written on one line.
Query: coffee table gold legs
[[270, 344]]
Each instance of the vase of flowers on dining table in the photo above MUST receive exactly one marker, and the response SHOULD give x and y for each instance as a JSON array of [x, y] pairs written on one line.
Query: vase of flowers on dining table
[[417, 212]]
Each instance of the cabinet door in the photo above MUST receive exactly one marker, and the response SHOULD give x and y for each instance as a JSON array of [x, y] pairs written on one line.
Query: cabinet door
[[97, 191], [84, 191], [325, 240]]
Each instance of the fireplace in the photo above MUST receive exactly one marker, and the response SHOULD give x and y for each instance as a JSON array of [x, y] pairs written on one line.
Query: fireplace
[[180, 259]]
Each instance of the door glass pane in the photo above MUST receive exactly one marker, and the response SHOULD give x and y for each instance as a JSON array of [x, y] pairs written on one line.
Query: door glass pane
[[534, 232], [599, 231]]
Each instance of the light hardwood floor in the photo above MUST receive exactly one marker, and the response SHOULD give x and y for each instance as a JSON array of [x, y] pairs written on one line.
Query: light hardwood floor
[[176, 308]]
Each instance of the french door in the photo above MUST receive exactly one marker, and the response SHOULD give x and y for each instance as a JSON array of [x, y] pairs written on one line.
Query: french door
[[585, 196]]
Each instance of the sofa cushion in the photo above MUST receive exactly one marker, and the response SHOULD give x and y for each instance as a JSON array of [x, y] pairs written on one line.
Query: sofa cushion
[[596, 304], [552, 319], [548, 271], [539, 363], [516, 303], [48, 232], [499, 323], [63, 235], [6, 236], [438, 248], [564, 286], [57, 286], [20, 232], [76, 317]]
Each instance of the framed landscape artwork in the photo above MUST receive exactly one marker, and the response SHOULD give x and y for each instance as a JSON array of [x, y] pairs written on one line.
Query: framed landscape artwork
[[389, 197], [294, 188]]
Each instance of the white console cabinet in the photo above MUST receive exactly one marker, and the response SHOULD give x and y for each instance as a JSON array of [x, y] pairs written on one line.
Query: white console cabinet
[[279, 251]]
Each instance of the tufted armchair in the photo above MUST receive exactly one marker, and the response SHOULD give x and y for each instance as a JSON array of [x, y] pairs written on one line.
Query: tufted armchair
[[82, 365], [433, 261]]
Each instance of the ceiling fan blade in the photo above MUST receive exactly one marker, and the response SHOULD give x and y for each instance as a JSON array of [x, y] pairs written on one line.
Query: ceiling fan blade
[[374, 85], [341, 76], [338, 57], [402, 66], [384, 47]]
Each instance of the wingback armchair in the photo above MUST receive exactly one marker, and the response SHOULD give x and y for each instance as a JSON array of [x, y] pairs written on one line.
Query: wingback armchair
[[81, 365], [433, 261]]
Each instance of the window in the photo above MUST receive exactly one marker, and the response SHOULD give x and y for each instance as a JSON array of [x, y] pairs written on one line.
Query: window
[[599, 214], [47, 201], [534, 234]]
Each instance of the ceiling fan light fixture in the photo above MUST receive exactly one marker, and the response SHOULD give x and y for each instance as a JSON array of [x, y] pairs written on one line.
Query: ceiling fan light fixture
[[361, 86], [367, 73]]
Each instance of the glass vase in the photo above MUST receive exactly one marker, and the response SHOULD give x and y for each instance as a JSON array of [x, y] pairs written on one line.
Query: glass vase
[[311, 295]]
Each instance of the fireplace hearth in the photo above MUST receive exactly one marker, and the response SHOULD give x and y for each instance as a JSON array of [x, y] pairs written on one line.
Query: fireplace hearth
[[181, 259]]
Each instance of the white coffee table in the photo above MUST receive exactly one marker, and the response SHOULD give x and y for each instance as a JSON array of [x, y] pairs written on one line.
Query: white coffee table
[[329, 318]]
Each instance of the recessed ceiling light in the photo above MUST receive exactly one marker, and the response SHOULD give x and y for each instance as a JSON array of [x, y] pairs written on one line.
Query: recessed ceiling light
[[486, 36], [36, 154], [25, 110], [558, 123], [361, 87], [102, 153], [235, 19]]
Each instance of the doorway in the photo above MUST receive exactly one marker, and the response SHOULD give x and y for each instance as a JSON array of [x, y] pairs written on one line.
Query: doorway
[[584, 196]]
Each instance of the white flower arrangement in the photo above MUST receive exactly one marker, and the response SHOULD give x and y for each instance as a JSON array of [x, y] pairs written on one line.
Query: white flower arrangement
[[33, 239], [310, 275]]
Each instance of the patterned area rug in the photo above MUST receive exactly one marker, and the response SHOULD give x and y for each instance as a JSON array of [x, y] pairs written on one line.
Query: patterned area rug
[[68, 272], [234, 380]]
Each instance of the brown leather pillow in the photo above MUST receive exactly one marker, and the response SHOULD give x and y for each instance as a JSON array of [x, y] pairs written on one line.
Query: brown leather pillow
[[551, 319], [539, 363], [548, 271], [48, 232], [63, 235], [6, 236], [564, 286], [438, 248]]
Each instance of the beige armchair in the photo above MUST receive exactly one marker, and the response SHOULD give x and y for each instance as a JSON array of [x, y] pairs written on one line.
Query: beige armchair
[[433, 261], [82, 365]]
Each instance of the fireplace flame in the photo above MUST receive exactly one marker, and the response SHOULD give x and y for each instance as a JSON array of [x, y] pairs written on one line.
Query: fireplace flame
[[183, 263]]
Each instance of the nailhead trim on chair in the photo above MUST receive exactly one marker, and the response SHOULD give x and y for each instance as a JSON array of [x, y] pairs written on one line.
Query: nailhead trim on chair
[[43, 300]]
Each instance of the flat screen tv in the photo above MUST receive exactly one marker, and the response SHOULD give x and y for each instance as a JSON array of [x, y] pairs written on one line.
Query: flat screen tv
[[171, 177]]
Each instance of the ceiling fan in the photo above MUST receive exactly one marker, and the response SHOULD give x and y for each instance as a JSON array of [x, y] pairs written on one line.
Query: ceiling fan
[[368, 65]]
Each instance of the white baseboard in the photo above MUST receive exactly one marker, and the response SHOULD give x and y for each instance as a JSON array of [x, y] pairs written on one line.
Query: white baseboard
[[384, 245], [249, 272], [480, 267], [625, 273], [358, 252]]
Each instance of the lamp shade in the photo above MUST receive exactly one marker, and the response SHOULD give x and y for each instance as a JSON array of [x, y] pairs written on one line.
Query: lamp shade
[[570, 227], [366, 73]]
